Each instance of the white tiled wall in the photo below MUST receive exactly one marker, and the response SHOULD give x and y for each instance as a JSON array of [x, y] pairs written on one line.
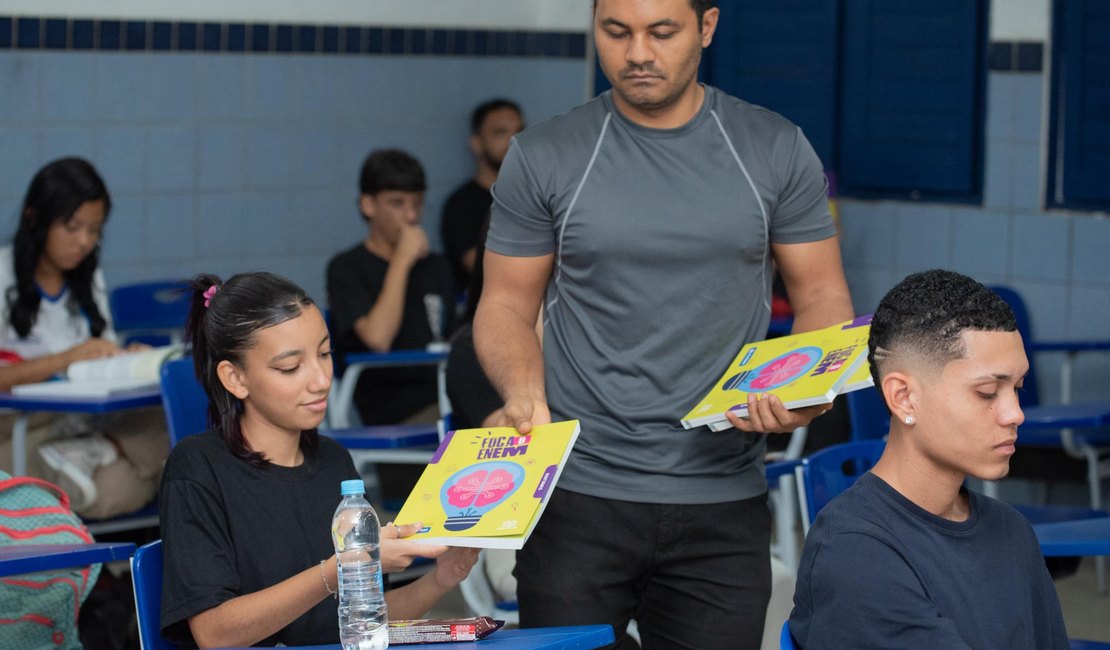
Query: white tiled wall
[[233, 162]]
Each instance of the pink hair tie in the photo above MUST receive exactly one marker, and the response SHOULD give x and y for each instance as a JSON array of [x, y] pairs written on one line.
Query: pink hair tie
[[208, 293]]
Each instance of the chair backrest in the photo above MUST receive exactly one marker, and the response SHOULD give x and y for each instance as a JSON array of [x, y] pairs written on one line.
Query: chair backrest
[[832, 470], [146, 577], [157, 307], [868, 413], [1030, 396], [786, 642], [184, 400]]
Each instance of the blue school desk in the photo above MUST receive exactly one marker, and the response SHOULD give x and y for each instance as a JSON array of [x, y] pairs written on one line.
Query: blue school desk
[[579, 637], [25, 405], [29, 558], [1082, 537]]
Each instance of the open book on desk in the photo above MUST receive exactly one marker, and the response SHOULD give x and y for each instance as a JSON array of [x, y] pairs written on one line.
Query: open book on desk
[[107, 376], [487, 488], [804, 369]]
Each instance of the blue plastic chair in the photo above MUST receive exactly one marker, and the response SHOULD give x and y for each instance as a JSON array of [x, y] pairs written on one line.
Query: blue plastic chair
[[828, 472], [146, 580], [786, 641], [868, 414], [151, 312], [1081, 430], [183, 399]]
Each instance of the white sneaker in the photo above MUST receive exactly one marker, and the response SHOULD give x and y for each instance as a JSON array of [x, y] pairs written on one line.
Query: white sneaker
[[75, 460]]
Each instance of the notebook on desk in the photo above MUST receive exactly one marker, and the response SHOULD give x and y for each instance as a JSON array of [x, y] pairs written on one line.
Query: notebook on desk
[[106, 376]]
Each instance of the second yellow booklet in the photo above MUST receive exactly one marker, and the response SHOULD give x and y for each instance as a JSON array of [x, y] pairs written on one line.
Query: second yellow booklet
[[488, 487]]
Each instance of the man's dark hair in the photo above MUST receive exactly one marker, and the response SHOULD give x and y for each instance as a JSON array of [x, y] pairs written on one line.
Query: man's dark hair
[[391, 169], [925, 314], [478, 117], [699, 7]]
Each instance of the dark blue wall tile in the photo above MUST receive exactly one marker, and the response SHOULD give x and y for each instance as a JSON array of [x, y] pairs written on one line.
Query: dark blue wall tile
[[329, 37], [56, 33], [161, 36], [1030, 57], [211, 37], [187, 36], [236, 37], [576, 46], [480, 43], [109, 35], [418, 42], [135, 35], [260, 38], [83, 38], [1000, 56], [284, 40], [6, 32], [351, 40], [460, 42], [439, 41], [375, 40], [500, 43], [548, 44], [28, 33], [395, 41], [306, 38]]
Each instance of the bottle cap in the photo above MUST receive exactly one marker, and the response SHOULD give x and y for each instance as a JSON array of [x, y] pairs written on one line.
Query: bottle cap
[[353, 486]]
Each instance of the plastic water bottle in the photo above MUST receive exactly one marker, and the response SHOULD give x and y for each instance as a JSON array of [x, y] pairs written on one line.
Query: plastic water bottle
[[357, 537]]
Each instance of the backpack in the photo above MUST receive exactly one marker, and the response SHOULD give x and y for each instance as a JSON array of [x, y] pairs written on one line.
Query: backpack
[[39, 610]]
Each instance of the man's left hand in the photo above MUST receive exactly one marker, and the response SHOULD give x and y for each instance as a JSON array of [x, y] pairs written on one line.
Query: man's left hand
[[767, 414]]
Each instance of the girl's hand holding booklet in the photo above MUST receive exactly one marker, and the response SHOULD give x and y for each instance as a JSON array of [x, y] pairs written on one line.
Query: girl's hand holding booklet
[[487, 488]]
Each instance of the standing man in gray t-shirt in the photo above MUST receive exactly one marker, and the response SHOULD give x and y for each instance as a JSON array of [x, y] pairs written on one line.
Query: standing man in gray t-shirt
[[645, 222]]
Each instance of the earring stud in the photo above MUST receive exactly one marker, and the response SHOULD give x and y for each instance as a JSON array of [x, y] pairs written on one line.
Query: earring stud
[[909, 419]]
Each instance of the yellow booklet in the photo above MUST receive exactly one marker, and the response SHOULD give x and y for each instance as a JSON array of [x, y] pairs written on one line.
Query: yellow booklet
[[801, 370], [488, 487]]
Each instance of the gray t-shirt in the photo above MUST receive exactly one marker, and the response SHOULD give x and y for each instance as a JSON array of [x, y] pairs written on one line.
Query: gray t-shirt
[[662, 273]]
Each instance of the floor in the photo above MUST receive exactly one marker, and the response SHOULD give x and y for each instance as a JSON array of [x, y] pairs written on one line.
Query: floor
[[1086, 612]]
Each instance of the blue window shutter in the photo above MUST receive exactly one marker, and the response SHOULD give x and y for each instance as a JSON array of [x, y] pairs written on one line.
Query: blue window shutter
[[782, 55], [1079, 165], [912, 98]]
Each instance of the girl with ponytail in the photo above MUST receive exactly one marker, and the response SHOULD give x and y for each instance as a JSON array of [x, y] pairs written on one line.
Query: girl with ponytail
[[246, 507]]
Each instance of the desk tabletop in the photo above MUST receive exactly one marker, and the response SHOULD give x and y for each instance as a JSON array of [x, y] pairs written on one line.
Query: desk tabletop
[[1074, 538], [29, 558], [1059, 416], [579, 637], [116, 402]]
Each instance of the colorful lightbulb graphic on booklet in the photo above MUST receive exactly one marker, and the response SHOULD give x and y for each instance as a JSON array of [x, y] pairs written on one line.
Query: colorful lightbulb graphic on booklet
[[475, 490]]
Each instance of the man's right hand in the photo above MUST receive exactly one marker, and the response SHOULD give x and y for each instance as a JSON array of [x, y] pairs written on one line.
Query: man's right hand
[[523, 414], [412, 245]]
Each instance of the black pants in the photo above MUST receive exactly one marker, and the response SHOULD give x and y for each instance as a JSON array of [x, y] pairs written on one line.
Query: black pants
[[693, 576]]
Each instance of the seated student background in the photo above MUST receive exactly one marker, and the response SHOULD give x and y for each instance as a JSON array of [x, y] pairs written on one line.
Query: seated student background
[[466, 212], [391, 292], [55, 312], [247, 507], [908, 557]]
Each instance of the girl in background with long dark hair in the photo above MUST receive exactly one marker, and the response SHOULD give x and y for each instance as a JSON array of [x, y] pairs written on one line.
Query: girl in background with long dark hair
[[55, 312], [246, 507]]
